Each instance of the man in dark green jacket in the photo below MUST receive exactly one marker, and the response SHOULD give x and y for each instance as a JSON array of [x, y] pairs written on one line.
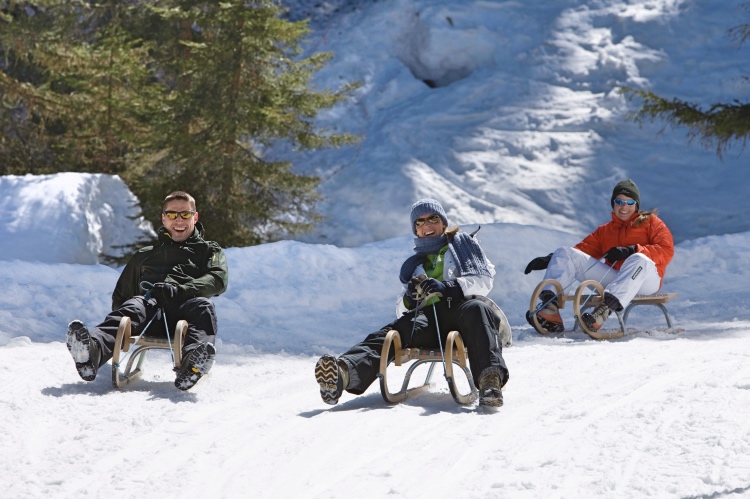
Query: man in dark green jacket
[[185, 270]]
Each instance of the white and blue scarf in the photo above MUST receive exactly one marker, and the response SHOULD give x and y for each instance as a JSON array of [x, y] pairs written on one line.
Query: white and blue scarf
[[465, 249]]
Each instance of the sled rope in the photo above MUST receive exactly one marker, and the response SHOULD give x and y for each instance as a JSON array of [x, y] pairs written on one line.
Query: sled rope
[[575, 279], [137, 339], [147, 287], [437, 325], [440, 343], [588, 297]]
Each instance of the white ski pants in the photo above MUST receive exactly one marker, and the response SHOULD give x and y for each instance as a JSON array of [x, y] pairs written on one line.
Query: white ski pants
[[637, 275]]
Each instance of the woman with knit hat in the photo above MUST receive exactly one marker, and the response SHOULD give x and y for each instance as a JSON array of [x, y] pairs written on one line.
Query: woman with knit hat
[[458, 277], [636, 246]]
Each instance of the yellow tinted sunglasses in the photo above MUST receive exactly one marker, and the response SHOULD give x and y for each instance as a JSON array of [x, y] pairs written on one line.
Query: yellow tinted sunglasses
[[172, 215], [431, 220]]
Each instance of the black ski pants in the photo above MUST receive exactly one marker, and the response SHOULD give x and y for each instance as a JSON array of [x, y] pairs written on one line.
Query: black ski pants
[[473, 319], [198, 312]]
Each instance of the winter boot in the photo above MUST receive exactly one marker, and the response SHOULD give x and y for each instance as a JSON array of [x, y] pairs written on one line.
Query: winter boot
[[195, 364], [85, 350], [333, 378], [490, 385], [549, 317], [595, 319]]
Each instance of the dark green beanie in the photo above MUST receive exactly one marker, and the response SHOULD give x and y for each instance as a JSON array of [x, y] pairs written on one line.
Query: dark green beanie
[[627, 188]]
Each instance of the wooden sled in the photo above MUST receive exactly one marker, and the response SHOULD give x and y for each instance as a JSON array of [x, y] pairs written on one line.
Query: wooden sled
[[142, 344], [589, 294], [455, 353]]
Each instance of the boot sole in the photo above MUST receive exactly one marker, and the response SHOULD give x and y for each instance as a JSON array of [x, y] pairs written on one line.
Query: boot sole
[[200, 362], [78, 341], [551, 327], [327, 376]]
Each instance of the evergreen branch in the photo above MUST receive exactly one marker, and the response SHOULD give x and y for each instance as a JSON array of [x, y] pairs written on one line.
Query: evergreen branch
[[720, 126]]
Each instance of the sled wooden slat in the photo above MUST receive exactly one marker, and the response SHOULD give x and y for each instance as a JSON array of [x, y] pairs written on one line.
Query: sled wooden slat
[[455, 353], [582, 300], [142, 344], [657, 299]]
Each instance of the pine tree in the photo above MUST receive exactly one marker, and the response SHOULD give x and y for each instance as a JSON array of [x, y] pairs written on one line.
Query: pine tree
[[78, 92], [202, 96], [238, 91]]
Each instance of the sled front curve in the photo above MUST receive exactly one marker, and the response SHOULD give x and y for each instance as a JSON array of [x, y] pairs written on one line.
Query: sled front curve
[[454, 346], [142, 344], [561, 298], [455, 352]]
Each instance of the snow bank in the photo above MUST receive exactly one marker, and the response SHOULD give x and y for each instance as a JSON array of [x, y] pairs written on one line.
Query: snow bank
[[68, 218]]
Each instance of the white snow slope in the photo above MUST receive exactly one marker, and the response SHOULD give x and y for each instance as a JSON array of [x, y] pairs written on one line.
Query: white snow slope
[[527, 124], [654, 414]]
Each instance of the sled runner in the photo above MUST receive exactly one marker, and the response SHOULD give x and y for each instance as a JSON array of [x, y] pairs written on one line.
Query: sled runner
[[455, 353], [589, 294], [142, 344]]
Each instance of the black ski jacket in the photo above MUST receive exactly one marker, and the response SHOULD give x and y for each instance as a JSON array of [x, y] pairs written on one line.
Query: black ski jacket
[[198, 268]]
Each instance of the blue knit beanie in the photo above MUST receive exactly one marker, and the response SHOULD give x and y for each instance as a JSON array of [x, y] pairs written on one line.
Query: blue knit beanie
[[426, 207]]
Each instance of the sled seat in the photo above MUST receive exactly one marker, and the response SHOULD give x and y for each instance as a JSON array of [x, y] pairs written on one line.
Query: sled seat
[[142, 344], [657, 299], [455, 353], [589, 294]]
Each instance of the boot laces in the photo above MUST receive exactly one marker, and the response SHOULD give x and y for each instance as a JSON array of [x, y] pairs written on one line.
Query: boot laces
[[601, 313]]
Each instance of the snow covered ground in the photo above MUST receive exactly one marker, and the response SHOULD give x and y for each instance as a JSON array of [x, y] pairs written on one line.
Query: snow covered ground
[[526, 124], [654, 414], [651, 415]]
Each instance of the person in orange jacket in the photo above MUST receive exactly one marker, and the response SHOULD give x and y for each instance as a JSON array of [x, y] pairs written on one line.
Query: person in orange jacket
[[636, 246]]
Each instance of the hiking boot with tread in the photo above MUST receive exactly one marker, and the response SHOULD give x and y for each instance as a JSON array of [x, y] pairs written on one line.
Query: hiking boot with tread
[[330, 379], [597, 318], [490, 389], [84, 350], [196, 363], [549, 318]]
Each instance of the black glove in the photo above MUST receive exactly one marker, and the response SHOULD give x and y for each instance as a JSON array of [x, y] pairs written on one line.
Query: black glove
[[538, 263], [446, 289], [164, 292], [409, 303], [411, 289], [619, 253]]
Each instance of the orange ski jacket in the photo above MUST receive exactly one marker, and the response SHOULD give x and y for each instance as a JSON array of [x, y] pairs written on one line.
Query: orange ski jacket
[[652, 238]]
